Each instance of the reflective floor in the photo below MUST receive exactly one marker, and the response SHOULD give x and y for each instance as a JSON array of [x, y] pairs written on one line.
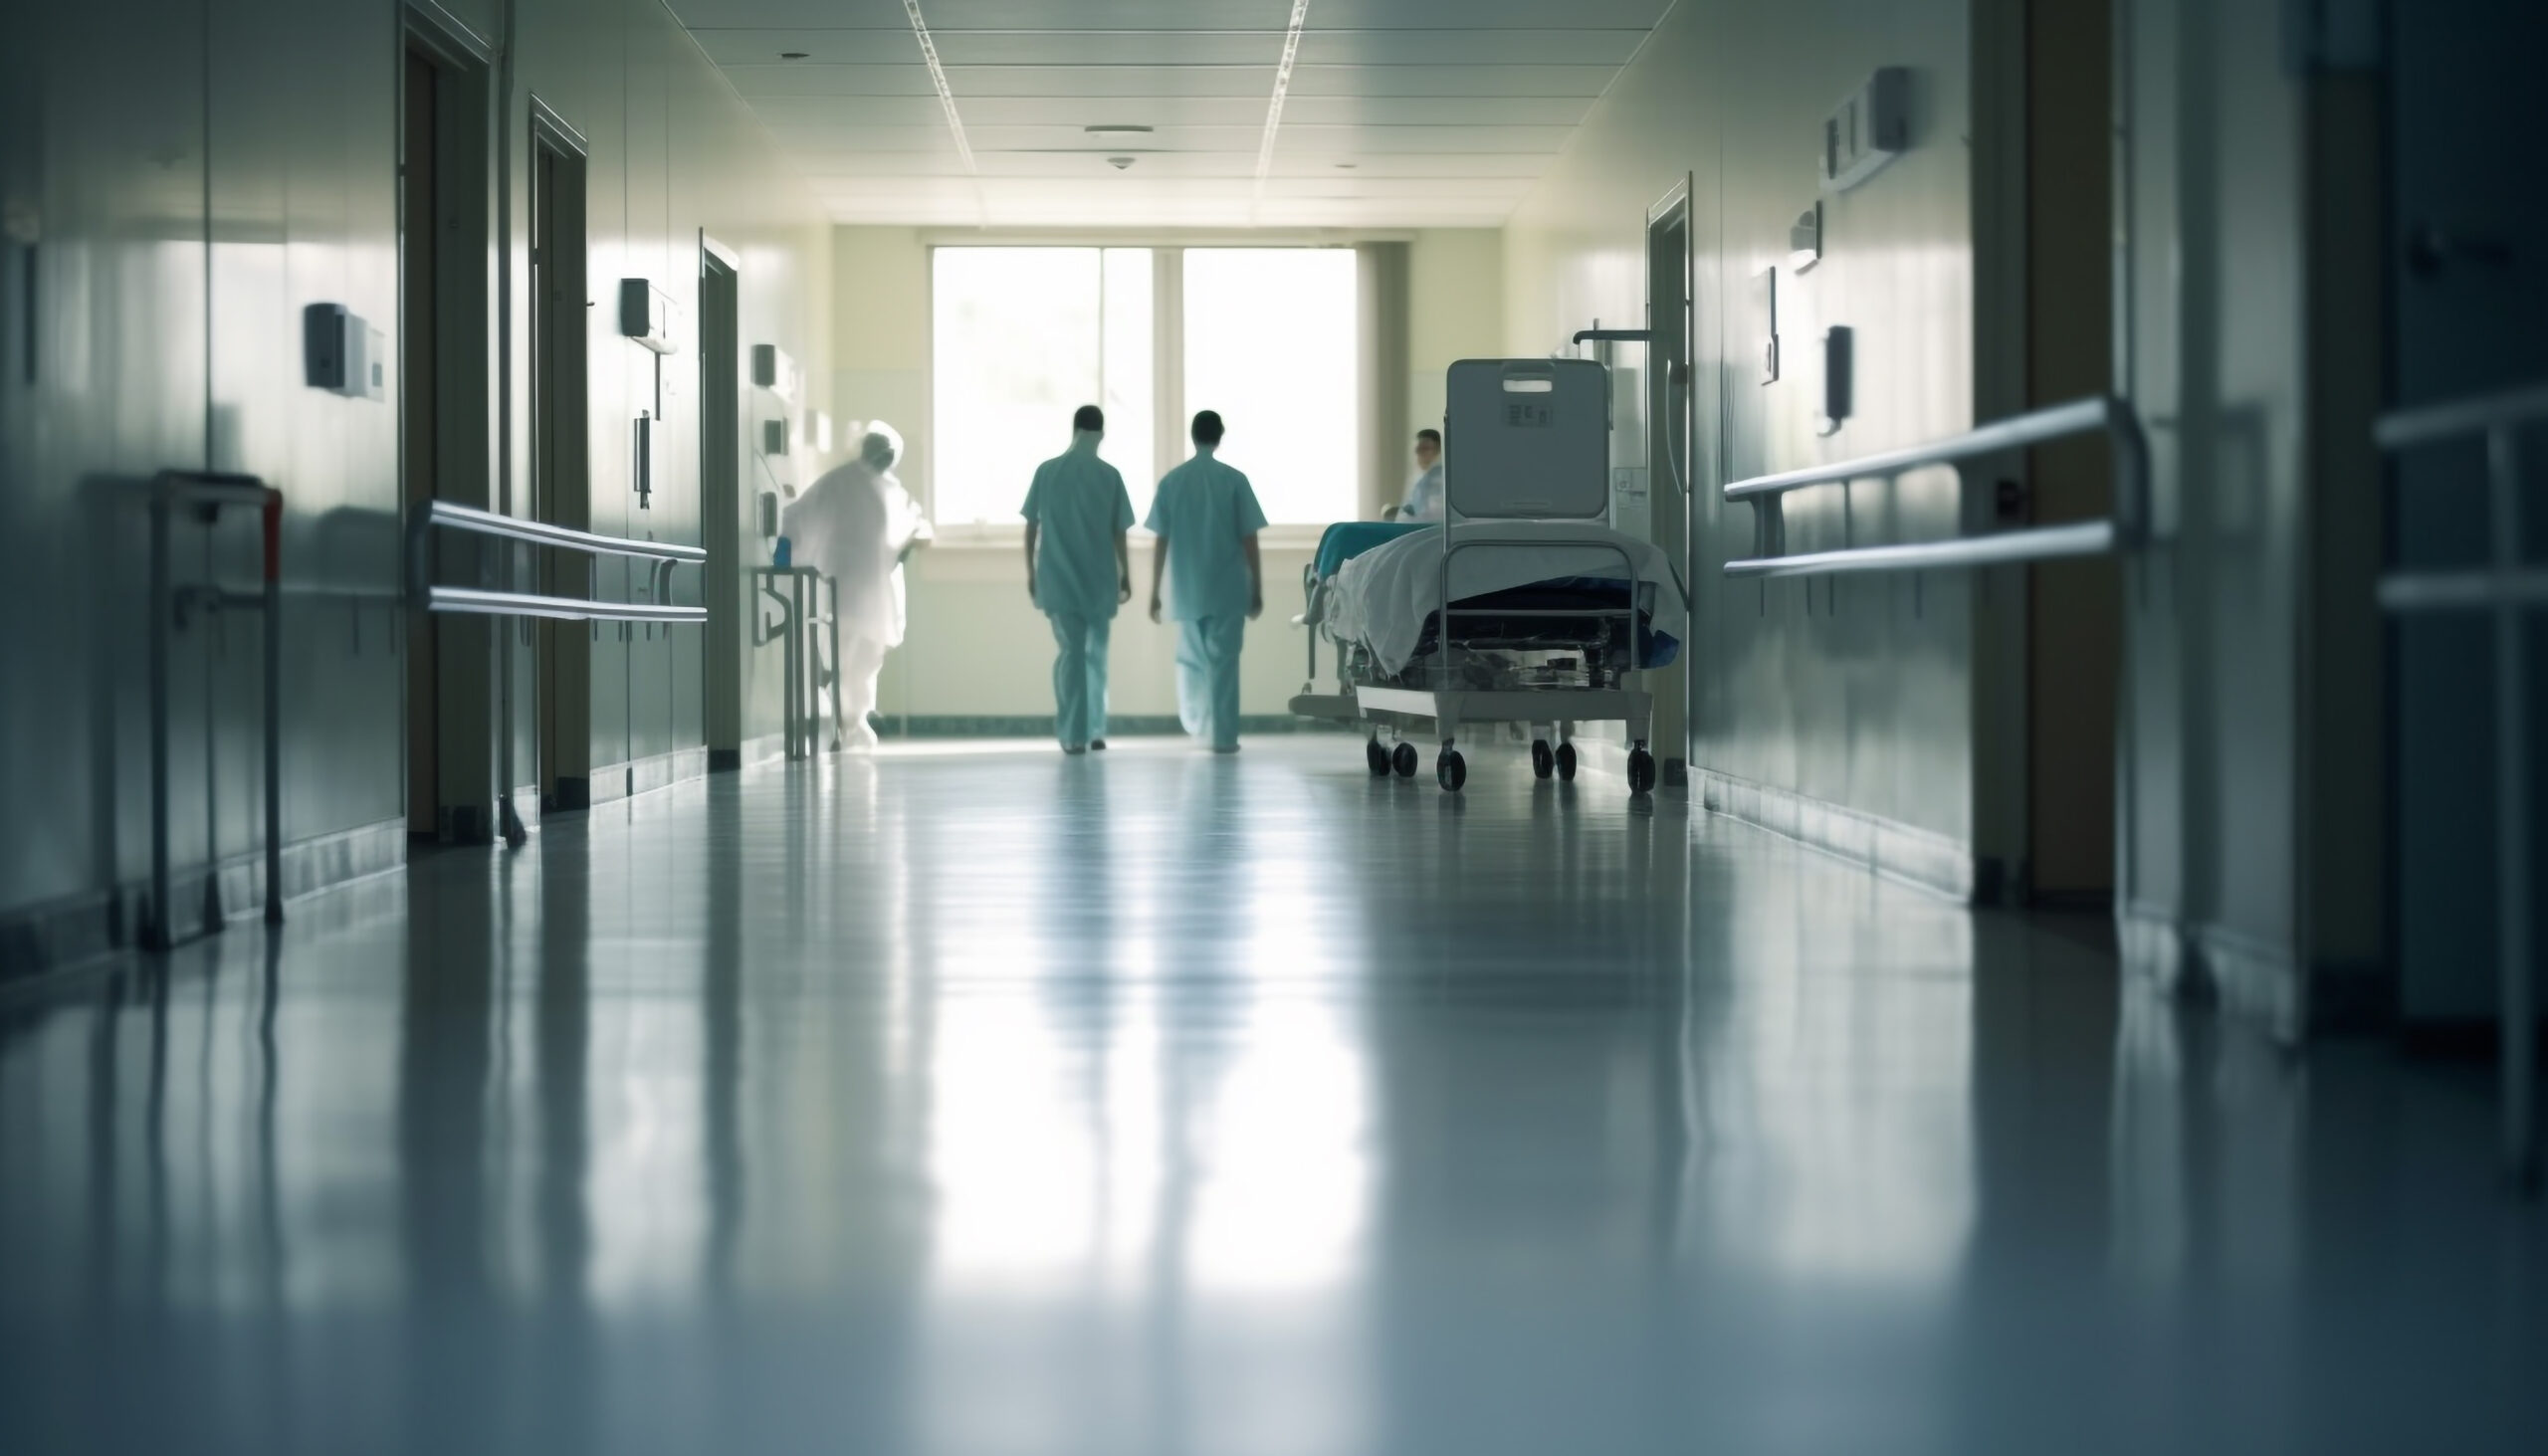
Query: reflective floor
[[985, 1101]]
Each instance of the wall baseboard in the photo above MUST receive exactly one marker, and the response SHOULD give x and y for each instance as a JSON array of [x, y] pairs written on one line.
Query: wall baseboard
[[2152, 947], [92, 924], [611, 782], [2252, 980], [1916, 857]]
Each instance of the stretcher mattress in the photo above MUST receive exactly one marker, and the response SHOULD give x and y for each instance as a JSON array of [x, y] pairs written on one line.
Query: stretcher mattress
[[1386, 597]]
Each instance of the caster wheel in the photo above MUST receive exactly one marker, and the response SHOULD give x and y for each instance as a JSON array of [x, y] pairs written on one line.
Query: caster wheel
[[1403, 760], [1543, 762], [1451, 771], [1565, 762], [1641, 772], [1377, 757]]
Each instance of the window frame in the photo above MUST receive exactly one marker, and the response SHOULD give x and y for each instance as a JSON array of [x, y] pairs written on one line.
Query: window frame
[[1167, 365]]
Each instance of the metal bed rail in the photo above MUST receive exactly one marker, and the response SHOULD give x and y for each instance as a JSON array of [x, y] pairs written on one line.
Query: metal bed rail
[[2099, 414], [2507, 588], [425, 595], [209, 493]]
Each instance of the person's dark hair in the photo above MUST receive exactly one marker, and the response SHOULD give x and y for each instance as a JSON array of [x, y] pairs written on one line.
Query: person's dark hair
[[1207, 427], [1090, 417], [1434, 435]]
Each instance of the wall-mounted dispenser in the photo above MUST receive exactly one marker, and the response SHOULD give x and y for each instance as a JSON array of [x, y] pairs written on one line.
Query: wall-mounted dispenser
[[818, 431], [1838, 360], [773, 436], [646, 315], [774, 371], [768, 501], [1869, 129], [342, 354]]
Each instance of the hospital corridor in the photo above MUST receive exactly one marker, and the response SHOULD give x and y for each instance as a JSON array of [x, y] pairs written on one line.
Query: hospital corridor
[[1272, 728]]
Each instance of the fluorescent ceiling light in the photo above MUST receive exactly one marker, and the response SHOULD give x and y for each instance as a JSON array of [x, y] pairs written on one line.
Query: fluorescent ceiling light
[[937, 77], [1282, 86]]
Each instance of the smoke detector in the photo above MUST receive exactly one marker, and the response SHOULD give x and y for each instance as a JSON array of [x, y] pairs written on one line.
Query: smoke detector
[[1119, 163]]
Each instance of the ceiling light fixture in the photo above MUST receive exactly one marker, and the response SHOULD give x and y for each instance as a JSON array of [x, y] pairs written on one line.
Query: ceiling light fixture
[[937, 77], [1282, 86], [793, 55], [1116, 128]]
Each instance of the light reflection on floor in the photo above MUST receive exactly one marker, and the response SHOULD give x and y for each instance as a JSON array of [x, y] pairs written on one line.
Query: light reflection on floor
[[977, 1100]]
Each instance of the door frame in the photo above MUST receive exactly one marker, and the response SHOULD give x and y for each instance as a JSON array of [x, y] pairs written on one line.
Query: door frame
[[557, 159], [461, 650], [722, 496], [1673, 514]]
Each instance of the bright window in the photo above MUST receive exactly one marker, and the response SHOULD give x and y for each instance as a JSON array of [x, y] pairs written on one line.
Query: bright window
[[1270, 342], [1023, 336]]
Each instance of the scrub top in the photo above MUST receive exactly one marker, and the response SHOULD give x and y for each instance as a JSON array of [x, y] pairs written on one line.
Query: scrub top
[[1078, 503], [1207, 511], [1424, 495]]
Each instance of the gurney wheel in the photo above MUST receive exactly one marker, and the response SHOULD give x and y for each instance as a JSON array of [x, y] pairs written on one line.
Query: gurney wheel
[[1376, 756], [1565, 762], [1641, 772], [1543, 762], [1451, 771], [1403, 760]]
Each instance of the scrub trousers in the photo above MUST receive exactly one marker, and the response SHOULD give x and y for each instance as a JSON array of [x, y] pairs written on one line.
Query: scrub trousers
[[1207, 677], [862, 659], [1078, 676]]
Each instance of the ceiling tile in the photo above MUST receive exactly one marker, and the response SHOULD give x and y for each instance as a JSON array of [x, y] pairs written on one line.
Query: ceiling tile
[[1402, 112], [1320, 46], [1451, 81]]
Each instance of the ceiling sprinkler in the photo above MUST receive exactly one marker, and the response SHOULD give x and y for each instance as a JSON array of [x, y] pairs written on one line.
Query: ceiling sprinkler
[[1119, 163]]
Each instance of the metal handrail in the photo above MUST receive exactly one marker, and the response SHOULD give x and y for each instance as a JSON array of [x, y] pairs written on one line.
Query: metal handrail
[[425, 595], [541, 534], [2454, 419], [2507, 588], [475, 602], [804, 620], [2123, 530]]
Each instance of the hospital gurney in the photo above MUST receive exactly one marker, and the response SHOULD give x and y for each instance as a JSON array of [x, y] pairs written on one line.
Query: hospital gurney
[[1525, 609]]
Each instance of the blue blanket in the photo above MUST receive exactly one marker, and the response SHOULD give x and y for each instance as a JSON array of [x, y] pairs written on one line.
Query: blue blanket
[[1347, 539]]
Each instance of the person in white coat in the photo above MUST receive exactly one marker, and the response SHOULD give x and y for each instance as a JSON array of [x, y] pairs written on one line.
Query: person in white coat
[[857, 526]]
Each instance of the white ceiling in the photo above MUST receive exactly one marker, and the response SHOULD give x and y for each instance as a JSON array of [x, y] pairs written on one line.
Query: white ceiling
[[1399, 112]]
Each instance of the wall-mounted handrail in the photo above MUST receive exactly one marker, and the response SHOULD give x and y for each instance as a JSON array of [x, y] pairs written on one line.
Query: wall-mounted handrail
[[2508, 588], [475, 522], [422, 593], [211, 491], [2000, 549], [475, 601], [2099, 414]]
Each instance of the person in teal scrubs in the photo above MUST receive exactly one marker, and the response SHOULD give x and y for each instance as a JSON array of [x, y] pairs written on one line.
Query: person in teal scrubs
[[1078, 571], [1207, 519]]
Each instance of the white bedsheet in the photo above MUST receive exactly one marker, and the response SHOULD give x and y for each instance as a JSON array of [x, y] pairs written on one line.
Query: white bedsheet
[[1382, 597]]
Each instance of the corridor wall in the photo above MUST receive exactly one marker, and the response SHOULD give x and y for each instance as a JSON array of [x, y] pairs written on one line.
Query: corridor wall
[[1840, 710], [177, 183]]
